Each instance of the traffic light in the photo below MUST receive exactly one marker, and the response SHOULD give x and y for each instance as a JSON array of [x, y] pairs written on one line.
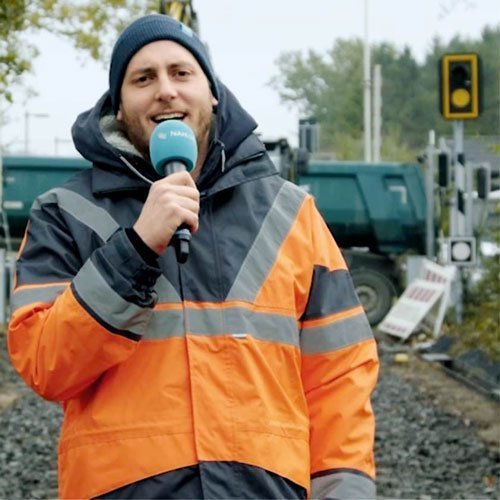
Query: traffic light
[[460, 86], [483, 182], [443, 169], [309, 134]]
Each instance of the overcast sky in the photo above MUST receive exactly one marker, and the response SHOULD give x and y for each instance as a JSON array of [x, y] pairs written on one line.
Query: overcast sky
[[244, 38]]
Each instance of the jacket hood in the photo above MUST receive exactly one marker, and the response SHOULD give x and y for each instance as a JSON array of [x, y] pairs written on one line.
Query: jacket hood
[[234, 124], [98, 138]]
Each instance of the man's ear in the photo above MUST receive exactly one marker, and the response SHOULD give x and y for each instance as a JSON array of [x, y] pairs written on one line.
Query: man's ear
[[119, 115]]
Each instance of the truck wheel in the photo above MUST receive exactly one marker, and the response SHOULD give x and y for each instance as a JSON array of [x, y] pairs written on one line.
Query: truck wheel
[[375, 293]]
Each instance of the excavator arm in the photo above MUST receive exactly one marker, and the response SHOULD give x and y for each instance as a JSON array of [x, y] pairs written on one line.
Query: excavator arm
[[182, 10]]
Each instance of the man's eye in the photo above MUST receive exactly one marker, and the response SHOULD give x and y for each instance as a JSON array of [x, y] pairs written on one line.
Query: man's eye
[[142, 79]]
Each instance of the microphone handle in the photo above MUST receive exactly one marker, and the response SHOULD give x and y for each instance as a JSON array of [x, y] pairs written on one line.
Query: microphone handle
[[171, 167], [182, 237]]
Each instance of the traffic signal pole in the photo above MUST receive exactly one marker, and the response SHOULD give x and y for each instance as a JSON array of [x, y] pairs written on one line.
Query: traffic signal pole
[[457, 214], [457, 222], [430, 244], [469, 201], [460, 98], [463, 206]]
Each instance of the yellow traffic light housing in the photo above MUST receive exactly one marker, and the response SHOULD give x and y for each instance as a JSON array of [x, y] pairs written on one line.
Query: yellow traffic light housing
[[460, 86]]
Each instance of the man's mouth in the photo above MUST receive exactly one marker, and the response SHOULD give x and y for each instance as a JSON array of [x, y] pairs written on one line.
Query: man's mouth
[[168, 116]]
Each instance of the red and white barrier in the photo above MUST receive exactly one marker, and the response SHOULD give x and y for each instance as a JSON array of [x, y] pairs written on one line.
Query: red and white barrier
[[424, 301]]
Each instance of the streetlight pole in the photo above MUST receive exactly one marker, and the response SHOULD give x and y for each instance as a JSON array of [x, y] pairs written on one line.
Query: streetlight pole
[[367, 92], [57, 141], [27, 116]]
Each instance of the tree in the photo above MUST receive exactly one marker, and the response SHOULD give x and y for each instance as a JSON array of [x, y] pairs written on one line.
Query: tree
[[329, 87], [91, 25]]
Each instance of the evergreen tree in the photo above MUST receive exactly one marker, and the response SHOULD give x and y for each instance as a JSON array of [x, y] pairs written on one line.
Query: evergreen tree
[[330, 87]]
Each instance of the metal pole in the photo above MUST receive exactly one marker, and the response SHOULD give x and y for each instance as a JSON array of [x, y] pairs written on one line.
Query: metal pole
[[458, 227], [367, 92], [452, 201], [3, 288], [26, 132], [469, 202], [429, 194], [3, 215], [459, 192], [27, 116], [377, 111]]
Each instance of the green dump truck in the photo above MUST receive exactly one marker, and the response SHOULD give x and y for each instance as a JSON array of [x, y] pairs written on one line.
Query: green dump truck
[[375, 211], [25, 177], [377, 214]]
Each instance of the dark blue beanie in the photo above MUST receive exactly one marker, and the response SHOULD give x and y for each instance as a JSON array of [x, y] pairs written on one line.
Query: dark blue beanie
[[149, 29]]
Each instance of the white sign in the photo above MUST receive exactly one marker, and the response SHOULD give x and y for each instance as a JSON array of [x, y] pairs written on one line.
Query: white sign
[[407, 313], [462, 250], [438, 274], [418, 300]]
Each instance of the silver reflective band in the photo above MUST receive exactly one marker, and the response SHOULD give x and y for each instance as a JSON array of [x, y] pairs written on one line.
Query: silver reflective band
[[334, 336], [107, 304], [81, 209], [224, 321], [166, 291], [41, 293], [265, 248], [345, 485]]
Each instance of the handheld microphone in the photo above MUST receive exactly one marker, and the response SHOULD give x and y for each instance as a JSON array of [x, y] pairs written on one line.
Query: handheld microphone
[[173, 148]]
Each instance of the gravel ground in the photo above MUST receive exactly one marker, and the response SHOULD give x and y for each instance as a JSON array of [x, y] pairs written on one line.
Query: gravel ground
[[423, 450], [427, 448]]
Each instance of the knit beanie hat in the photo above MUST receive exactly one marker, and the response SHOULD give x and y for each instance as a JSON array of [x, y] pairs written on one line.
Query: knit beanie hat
[[149, 29]]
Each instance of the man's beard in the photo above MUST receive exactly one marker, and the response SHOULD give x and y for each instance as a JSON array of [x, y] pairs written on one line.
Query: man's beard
[[133, 129]]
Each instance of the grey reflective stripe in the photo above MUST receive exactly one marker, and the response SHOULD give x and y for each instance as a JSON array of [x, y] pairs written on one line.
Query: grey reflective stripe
[[235, 321], [264, 250], [165, 324], [343, 485], [166, 291], [264, 326], [92, 288], [80, 208], [101, 223], [334, 336], [46, 294]]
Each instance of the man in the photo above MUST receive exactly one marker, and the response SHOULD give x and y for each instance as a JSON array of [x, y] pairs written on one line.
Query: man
[[245, 372]]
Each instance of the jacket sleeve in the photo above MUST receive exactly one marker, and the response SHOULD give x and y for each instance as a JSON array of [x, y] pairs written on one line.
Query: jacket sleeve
[[339, 371], [75, 316]]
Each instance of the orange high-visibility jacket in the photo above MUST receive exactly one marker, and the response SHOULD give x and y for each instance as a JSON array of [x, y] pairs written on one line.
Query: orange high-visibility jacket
[[255, 352]]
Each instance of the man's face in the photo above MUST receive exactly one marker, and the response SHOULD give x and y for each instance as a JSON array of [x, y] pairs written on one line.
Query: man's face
[[164, 81]]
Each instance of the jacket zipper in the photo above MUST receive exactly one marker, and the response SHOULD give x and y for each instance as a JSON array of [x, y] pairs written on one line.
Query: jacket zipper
[[218, 270]]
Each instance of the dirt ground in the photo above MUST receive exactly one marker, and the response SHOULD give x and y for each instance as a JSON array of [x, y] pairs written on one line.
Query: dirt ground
[[7, 396], [452, 396]]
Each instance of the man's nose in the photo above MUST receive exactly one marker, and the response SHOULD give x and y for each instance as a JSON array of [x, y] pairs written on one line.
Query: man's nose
[[166, 88]]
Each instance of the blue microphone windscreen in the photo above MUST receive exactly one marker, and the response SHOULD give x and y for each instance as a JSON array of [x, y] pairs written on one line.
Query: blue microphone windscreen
[[172, 140]]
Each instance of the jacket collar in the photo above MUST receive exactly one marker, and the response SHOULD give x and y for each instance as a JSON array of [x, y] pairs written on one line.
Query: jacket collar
[[240, 168], [249, 162], [95, 137]]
